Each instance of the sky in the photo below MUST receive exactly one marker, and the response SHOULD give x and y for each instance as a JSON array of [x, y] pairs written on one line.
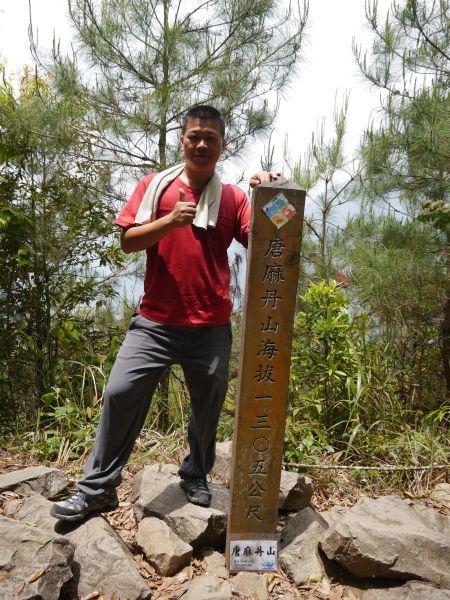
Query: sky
[[327, 72]]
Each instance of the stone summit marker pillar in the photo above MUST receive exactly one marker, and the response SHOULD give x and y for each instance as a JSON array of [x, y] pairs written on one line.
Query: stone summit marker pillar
[[260, 419]]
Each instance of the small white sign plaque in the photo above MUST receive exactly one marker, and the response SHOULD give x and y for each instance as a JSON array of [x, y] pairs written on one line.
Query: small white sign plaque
[[254, 555]]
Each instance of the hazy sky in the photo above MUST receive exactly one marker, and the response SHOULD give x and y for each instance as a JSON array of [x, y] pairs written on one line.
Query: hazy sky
[[328, 69]]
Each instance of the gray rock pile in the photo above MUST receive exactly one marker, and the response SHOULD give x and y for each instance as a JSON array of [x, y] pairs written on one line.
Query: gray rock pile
[[380, 549]]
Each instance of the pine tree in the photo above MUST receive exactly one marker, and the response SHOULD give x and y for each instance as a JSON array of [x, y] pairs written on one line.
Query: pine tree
[[139, 65], [406, 155], [328, 176]]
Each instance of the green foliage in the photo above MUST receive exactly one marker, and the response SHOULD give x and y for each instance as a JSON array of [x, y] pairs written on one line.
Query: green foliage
[[55, 227], [326, 373], [65, 429], [152, 60], [405, 158], [328, 177], [358, 395]]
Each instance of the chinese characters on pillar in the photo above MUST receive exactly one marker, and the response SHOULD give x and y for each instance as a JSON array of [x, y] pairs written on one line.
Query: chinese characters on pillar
[[265, 376], [251, 555]]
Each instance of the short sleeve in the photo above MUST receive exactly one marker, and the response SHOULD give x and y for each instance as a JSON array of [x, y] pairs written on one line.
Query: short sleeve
[[128, 213], [243, 215]]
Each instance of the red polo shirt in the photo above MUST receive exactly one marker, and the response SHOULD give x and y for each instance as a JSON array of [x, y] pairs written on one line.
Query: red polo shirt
[[187, 276]]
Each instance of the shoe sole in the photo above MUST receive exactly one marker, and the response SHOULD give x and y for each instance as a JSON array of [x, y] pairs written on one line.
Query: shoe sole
[[193, 500], [74, 518]]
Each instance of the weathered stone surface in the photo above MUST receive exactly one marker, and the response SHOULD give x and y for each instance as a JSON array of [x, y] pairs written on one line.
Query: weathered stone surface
[[387, 538], [433, 519], [222, 465], [157, 495], [295, 491], [299, 523], [214, 563], [28, 553], [413, 590], [162, 547], [148, 483], [442, 493], [206, 587], [332, 515], [251, 584], [156, 474], [299, 556], [102, 562], [34, 480]]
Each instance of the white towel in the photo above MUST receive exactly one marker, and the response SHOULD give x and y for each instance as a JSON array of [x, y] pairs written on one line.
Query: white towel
[[207, 207]]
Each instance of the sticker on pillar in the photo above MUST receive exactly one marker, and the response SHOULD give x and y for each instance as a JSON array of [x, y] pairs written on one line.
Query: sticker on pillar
[[254, 555], [279, 210]]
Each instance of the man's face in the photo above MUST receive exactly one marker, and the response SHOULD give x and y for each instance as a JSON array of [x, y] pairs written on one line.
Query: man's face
[[202, 144]]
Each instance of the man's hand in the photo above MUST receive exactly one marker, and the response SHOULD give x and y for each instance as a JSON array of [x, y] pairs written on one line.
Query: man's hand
[[263, 176], [183, 213]]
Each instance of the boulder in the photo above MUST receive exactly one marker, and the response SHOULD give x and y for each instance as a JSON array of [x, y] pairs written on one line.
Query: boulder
[[299, 523], [162, 547], [222, 464], [295, 491], [156, 494], [34, 564], [387, 538], [300, 538], [413, 590], [433, 519], [34, 480], [251, 584], [214, 563], [156, 476], [441, 493], [206, 587], [102, 562]]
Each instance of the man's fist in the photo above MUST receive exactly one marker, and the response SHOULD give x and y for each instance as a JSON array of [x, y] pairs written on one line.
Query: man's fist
[[263, 176], [183, 213]]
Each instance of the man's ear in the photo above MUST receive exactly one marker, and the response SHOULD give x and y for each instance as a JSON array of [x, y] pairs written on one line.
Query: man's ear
[[224, 144]]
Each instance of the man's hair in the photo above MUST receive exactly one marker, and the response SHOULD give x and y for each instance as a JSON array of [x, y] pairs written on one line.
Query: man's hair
[[204, 112]]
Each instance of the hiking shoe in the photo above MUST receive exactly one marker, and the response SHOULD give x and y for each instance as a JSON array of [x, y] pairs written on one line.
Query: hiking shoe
[[197, 491], [80, 505]]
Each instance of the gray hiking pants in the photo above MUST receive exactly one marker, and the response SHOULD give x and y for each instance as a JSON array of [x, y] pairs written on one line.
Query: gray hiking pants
[[148, 350]]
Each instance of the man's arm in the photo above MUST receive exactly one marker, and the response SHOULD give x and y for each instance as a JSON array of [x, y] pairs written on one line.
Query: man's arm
[[142, 237]]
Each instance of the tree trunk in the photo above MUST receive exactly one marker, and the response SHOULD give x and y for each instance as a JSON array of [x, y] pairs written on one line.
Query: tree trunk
[[445, 325]]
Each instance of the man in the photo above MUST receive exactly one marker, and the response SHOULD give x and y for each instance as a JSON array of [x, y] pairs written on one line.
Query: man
[[185, 219]]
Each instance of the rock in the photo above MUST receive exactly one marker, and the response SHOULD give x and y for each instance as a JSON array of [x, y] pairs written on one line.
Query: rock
[[102, 561], [413, 590], [34, 480], [433, 519], [214, 563], [222, 465], [251, 584], [332, 515], [387, 538], [33, 561], [299, 556], [295, 491], [162, 547], [299, 523], [206, 587], [158, 474], [157, 495], [441, 493]]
